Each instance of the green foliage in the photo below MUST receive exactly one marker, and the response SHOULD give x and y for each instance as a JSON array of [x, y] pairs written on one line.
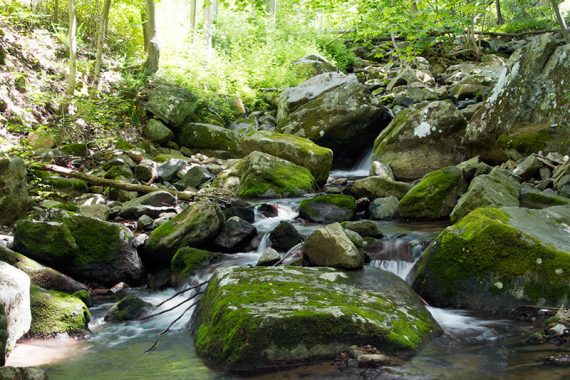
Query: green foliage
[[337, 51]]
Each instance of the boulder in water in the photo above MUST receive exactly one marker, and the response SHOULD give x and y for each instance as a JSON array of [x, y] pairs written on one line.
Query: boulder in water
[[379, 187], [384, 208], [328, 208], [285, 236], [129, 308], [234, 235], [329, 246]]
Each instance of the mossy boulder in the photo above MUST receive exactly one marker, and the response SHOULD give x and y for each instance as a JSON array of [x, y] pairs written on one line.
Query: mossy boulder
[[265, 176], [14, 199], [499, 259], [528, 109], [15, 317], [496, 189], [419, 141], [435, 196], [187, 261], [330, 246], [127, 309], [328, 208], [255, 318], [209, 137], [89, 249], [196, 226], [22, 373], [172, 105], [311, 65], [152, 204], [365, 228], [333, 110], [54, 313], [379, 187], [295, 149], [534, 198], [157, 132]]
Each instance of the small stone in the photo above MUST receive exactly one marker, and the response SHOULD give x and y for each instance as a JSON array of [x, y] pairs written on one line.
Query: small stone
[[268, 258]]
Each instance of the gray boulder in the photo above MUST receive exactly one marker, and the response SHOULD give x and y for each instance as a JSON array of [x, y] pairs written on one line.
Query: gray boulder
[[328, 208], [235, 234], [379, 187], [14, 199], [151, 204], [157, 132], [210, 137], [384, 208], [172, 105], [285, 236], [329, 246]]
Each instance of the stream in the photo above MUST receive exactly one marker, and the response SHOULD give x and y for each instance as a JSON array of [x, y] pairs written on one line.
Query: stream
[[473, 346]]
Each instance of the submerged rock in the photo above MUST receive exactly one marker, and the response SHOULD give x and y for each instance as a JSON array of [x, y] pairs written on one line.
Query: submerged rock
[[328, 208], [330, 246], [254, 318], [499, 259], [15, 317]]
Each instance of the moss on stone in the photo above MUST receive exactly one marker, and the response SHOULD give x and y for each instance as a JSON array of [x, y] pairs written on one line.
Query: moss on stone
[[188, 261], [328, 208], [52, 241], [209, 136], [527, 138], [379, 187], [54, 312]]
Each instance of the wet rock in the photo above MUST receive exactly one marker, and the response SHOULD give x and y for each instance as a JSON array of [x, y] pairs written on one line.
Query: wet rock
[[171, 104], [365, 228], [244, 212], [14, 199], [195, 226], [268, 258], [157, 132], [334, 111], [285, 236], [419, 141], [128, 309], [378, 169], [151, 204], [54, 313], [188, 261], [496, 189], [384, 208], [498, 259], [235, 234], [379, 187], [15, 317], [328, 208], [435, 196], [303, 314], [197, 176], [330, 246]]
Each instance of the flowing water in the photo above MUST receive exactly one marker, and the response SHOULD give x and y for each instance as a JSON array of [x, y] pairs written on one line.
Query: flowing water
[[360, 169], [472, 347]]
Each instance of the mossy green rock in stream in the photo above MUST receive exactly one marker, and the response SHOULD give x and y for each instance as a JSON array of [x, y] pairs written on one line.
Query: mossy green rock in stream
[[173, 105], [254, 318], [499, 259], [14, 199], [298, 150], [209, 136], [534, 198], [435, 196], [496, 189], [129, 308], [265, 176], [379, 187], [86, 248], [54, 312], [196, 226], [365, 228], [328, 208], [419, 141], [187, 261]]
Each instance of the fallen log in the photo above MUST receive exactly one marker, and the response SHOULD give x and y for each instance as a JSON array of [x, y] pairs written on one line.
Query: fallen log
[[97, 181]]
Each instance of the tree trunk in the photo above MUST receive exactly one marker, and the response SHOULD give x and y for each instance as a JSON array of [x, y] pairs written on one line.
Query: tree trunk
[[56, 11], [414, 7], [272, 9], [500, 19], [193, 9], [208, 26], [72, 50], [151, 64], [561, 21], [100, 43]]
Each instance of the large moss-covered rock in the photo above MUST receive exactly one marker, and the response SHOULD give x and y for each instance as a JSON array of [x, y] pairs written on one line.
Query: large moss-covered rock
[[379, 187], [295, 149], [266, 176], [499, 258], [333, 110], [157, 132], [15, 317], [330, 246], [529, 108], [127, 309], [496, 189], [45, 277], [87, 248], [534, 198], [14, 199], [311, 65], [54, 312], [328, 208], [251, 318], [22, 373], [187, 261], [196, 226], [209, 136], [172, 105], [151, 204], [435, 196], [419, 141]]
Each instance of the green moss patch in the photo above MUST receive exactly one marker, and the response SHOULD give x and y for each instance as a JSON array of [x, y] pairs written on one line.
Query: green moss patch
[[328, 208]]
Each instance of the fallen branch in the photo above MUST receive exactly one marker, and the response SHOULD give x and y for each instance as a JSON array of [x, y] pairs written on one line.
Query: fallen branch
[[172, 308], [181, 292], [94, 180], [167, 329]]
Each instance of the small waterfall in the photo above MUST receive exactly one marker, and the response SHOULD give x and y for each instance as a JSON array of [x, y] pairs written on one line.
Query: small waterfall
[[286, 210], [360, 169], [396, 255]]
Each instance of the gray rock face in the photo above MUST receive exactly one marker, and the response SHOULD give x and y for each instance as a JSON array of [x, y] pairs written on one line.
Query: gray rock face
[[328, 208], [168, 170], [530, 97], [196, 176], [419, 141], [384, 208], [285, 236], [235, 234], [379, 187], [311, 65], [209, 137], [268, 258], [496, 189], [151, 204], [534, 198], [14, 199], [15, 315], [157, 132], [172, 105], [330, 246], [333, 110], [561, 177]]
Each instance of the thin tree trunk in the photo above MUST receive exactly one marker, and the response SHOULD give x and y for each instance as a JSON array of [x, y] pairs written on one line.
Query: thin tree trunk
[[500, 19], [72, 50], [561, 21], [272, 10], [193, 9], [56, 11], [151, 64], [208, 26], [100, 43]]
